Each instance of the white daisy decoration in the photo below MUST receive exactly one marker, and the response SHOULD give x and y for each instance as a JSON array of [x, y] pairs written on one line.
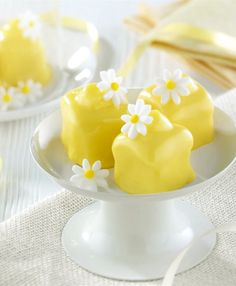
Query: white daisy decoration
[[30, 25], [90, 177], [111, 86], [9, 99], [30, 90], [173, 86], [137, 119]]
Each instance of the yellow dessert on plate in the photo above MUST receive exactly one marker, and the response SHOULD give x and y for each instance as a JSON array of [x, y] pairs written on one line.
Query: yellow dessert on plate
[[151, 154], [91, 117], [185, 102], [22, 56]]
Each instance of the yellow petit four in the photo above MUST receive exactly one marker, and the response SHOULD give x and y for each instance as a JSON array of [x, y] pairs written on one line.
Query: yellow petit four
[[22, 55], [151, 154], [91, 120], [184, 102]]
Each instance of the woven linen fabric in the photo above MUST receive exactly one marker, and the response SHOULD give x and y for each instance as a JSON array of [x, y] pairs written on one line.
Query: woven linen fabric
[[30, 244]]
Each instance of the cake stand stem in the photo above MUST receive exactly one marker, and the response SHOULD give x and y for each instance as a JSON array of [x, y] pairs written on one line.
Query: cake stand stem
[[136, 240], [126, 220]]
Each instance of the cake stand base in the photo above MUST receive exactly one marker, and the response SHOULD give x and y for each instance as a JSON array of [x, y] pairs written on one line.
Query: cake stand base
[[136, 241]]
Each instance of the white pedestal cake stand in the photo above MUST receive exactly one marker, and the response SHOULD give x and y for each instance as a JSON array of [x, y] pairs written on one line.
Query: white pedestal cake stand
[[135, 237]]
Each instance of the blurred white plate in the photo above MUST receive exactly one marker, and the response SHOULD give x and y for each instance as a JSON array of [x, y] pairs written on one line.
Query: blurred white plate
[[78, 68]]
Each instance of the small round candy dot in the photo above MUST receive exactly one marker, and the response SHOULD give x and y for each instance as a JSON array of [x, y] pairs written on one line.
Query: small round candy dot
[[6, 98], [170, 84], [89, 174], [114, 86], [25, 89], [134, 118]]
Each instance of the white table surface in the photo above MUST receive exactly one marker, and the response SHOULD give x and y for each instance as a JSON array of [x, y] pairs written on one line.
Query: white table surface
[[22, 183]]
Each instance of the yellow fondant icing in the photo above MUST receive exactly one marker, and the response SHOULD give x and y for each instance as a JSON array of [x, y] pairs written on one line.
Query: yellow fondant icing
[[90, 125], [195, 112], [21, 58], [156, 162]]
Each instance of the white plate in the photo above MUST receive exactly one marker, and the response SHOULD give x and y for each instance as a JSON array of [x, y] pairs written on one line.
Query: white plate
[[62, 81]]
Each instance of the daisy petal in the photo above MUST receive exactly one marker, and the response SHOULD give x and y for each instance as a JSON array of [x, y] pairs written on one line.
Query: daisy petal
[[102, 183], [146, 109], [74, 178], [160, 82], [104, 76], [108, 95], [139, 106], [165, 98], [123, 90], [111, 75], [131, 109], [146, 119], [184, 81], [158, 90], [116, 99], [102, 85], [125, 118], [132, 133], [121, 93], [90, 185], [182, 90], [178, 74], [102, 173], [77, 179], [97, 165], [141, 128], [85, 164], [175, 98], [77, 170], [125, 128]]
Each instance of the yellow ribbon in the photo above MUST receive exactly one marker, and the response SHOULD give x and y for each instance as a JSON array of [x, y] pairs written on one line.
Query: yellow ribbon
[[84, 26], [187, 40], [171, 271], [76, 24]]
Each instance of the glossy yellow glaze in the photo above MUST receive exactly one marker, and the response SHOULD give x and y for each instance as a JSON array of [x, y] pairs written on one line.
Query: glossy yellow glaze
[[154, 163], [195, 112], [21, 58], [90, 125]]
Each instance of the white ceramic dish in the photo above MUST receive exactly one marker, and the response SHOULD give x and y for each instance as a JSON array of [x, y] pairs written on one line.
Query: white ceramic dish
[[48, 100], [135, 237]]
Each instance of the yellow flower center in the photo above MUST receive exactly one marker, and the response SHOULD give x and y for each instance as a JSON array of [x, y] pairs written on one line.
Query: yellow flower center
[[114, 86], [89, 174], [25, 89], [6, 98], [134, 118], [170, 84], [31, 24]]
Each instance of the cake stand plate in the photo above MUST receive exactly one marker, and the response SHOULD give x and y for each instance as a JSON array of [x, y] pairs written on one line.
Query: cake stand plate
[[136, 237]]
